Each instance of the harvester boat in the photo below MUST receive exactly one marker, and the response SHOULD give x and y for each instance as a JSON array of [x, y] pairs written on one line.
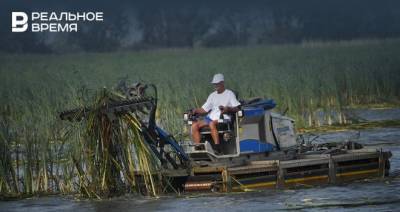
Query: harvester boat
[[260, 149]]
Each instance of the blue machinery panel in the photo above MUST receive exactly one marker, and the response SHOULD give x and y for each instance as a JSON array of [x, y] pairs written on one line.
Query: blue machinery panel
[[255, 146], [265, 104], [248, 112], [258, 108]]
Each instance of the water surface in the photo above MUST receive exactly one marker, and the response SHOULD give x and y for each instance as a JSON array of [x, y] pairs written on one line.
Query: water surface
[[364, 195]]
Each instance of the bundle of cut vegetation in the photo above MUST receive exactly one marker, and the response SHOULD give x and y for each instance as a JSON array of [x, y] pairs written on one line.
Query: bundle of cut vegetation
[[112, 157]]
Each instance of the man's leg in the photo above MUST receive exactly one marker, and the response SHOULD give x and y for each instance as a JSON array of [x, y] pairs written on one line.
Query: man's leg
[[196, 126], [214, 131]]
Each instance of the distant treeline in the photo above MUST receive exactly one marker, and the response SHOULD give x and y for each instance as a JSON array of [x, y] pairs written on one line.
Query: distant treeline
[[166, 24]]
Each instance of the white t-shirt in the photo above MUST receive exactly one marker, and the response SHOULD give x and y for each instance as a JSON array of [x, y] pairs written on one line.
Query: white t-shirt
[[214, 100]]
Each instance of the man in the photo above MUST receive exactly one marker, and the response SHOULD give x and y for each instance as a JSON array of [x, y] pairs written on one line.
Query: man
[[221, 101]]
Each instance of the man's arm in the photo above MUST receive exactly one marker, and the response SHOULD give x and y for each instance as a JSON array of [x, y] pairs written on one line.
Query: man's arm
[[207, 106], [227, 109], [199, 111], [232, 101]]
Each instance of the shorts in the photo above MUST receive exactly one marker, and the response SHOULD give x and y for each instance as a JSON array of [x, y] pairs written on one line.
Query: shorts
[[207, 120]]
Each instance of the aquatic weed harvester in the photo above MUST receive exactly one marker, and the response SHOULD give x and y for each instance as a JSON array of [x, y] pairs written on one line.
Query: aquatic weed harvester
[[260, 149]]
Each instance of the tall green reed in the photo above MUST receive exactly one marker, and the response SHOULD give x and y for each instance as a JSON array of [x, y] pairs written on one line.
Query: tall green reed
[[40, 154]]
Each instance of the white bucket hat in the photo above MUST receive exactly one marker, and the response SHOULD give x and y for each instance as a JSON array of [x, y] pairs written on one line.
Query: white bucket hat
[[217, 78]]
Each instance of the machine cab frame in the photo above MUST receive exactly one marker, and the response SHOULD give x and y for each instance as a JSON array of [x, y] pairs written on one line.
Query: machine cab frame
[[255, 129]]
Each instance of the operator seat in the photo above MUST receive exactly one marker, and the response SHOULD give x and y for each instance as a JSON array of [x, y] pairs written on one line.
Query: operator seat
[[221, 127], [226, 125]]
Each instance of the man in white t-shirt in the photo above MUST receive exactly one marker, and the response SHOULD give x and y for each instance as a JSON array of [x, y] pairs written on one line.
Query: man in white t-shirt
[[221, 101]]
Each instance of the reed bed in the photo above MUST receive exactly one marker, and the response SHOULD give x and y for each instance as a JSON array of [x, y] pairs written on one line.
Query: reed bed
[[41, 154]]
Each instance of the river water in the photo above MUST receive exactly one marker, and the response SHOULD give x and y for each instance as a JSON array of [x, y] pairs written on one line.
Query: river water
[[364, 195]]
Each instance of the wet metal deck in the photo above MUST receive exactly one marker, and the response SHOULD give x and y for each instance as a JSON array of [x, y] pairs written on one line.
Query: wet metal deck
[[308, 169]]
